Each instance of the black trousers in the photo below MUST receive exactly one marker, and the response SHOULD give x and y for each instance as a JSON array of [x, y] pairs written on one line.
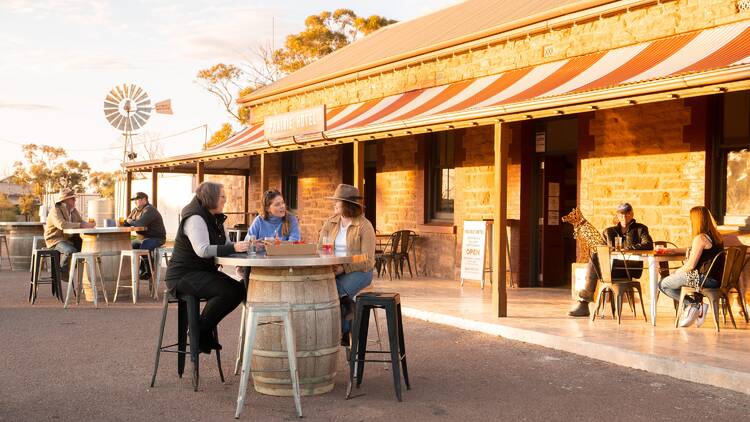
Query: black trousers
[[223, 292]]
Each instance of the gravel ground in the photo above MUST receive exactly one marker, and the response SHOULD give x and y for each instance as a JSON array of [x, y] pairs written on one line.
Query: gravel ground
[[89, 364]]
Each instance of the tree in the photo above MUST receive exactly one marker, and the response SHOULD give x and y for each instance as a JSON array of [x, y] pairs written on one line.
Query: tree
[[8, 211], [223, 80], [324, 33], [103, 183], [220, 135], [45, 170]]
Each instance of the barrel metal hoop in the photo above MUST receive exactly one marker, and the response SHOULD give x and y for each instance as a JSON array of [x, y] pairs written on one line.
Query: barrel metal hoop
[[300, 353]]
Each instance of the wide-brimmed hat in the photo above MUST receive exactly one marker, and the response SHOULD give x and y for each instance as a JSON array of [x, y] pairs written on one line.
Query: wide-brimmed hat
[[347, 193], [65, 194], [139, 195]]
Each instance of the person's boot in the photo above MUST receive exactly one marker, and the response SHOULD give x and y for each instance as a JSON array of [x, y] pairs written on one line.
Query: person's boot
[[580, 309]]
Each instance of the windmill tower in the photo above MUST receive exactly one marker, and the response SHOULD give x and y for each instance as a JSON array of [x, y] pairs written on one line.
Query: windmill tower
[[127, 107]]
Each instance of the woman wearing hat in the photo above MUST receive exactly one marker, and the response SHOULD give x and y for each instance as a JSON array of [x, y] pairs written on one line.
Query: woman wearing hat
[[353, 234], [200, 238], [64, 216]]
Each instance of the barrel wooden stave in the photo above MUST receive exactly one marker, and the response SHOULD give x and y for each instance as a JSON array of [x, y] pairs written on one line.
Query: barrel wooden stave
[[20, 242], [317, 327], [108, 242]]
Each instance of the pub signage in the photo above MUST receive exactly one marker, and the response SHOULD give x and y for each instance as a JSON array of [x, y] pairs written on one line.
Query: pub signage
[[295, 123]]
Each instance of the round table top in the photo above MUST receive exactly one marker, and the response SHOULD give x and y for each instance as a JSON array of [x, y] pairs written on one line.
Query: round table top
[[21, 223], [104, 230], [261, 260]]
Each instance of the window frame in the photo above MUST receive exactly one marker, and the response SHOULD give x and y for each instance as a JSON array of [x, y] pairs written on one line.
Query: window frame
[[440, 157], [290, 178]]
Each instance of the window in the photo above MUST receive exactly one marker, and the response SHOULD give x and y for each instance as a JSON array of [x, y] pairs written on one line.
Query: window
[[733, 153], [289, 177], [441, 177]]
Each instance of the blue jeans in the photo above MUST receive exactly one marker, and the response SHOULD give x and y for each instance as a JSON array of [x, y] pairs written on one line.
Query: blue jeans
[[66, 249], [672, 284], [349, 284]]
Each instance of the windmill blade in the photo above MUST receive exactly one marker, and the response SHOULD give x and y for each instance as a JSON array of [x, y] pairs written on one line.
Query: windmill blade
[[140, 121], [164, 107], [134, 123], [143, 115], [137, 92]]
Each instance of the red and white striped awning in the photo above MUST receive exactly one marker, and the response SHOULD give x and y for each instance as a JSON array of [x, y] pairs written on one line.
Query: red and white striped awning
[[700, 51]]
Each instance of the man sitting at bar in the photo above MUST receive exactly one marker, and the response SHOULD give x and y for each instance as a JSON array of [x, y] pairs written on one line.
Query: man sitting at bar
[[632, 236], [146, 215], [64, 215]]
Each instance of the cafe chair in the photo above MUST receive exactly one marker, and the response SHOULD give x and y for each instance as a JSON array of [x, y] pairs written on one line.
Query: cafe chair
[[37, 242], [4, 243], [135, 256], [365, 302], [614, 288], [36, 274], [92, 261], [159, 254], [734, 257], [405, 249], [386, 260], [282, 310], [188, 319]]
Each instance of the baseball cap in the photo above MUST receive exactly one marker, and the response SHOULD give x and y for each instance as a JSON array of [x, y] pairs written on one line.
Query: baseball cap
[[139, 195], [624, 207]]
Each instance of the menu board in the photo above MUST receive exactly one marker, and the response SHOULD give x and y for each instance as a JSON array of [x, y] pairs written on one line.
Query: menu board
[[472, 250]]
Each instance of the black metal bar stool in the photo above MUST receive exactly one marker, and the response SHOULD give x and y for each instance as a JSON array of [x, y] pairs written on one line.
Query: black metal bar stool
[[54, 268], [188, 314], [391, 303]]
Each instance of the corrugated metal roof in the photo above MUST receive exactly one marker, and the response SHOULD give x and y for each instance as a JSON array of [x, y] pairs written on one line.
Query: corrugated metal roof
[[420, 34]]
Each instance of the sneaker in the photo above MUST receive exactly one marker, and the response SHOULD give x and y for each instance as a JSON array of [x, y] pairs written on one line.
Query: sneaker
[[580, 309], [702, 315], [689, 315]]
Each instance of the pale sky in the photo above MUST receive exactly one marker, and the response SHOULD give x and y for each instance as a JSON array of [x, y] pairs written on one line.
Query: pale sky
[[59, 59]]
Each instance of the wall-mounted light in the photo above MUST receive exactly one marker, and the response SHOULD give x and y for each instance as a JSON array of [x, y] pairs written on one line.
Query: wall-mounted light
[[593, 107]]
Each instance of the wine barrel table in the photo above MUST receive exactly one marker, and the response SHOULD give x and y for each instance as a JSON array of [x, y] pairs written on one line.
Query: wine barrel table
[[308, 284], [20, 237], [110, 240]]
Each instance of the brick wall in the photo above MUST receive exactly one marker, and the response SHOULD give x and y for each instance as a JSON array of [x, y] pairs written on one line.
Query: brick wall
[[637, 25], [640, 156], [319, 174]]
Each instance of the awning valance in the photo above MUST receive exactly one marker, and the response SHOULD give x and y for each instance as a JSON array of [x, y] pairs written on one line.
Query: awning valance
[[707, 50]]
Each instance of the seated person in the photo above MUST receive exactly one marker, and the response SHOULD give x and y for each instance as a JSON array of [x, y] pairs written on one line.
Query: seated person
[[145, 215], [706, 244], [352, 234], [64, 215], [633, 236], [200, 238]]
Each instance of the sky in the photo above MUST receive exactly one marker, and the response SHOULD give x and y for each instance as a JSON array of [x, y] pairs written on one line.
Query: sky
[[60, 58]]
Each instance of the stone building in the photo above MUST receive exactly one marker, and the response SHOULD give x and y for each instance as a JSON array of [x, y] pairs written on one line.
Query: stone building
[[515, 111]]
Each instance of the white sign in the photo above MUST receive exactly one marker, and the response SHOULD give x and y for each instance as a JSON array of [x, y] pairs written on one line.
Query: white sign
[[472, 250], [541, 140], [299, 122]]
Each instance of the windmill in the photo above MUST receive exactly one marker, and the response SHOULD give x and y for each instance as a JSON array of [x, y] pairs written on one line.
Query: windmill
[[127, 107]]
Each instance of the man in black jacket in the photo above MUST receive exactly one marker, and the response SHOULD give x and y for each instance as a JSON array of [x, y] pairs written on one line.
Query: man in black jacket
[[633, 236], [145, 215]]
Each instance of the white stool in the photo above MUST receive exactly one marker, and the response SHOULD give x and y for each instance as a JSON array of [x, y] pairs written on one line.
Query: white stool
[[135, 256], [281, 310], [93, 263], [4, 242], [160, 253], [35, 242]]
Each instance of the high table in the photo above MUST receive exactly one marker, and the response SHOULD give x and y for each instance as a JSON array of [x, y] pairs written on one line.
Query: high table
[[306, 282], [110, 241], [20, 237], [653, 261]]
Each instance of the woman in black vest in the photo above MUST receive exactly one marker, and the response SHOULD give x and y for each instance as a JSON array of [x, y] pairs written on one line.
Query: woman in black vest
[[200, 238]]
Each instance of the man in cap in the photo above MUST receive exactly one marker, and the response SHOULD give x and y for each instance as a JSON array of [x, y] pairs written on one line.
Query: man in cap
[[64, 215], [145, 215], [633, 236]]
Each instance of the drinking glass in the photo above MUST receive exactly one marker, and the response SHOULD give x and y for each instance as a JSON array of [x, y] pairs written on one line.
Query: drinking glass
[[251, 247], [327, 246]]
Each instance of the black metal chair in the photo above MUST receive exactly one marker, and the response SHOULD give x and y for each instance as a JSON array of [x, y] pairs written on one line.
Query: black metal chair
[[386, 260], [365, 302], [407, 238], [36, 275], [188, 314]]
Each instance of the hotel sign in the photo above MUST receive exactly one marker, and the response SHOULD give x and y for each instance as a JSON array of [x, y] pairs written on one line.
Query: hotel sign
[[295, 123]]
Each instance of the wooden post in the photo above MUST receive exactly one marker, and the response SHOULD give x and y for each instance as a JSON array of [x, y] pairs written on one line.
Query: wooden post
[[263, 177], [128, 191], [246, 218], [199, 170], [499, 240], [359, 166], [155, 188]]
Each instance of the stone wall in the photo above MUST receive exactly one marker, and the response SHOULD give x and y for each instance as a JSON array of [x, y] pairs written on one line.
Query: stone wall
[[319, 174], [637, 25]]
